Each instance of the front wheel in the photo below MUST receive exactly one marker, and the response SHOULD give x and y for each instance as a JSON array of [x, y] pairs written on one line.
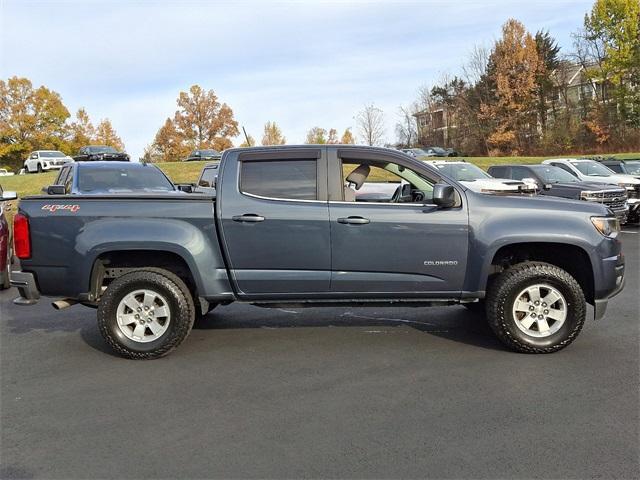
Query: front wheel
[[536, 307], [145, 314]]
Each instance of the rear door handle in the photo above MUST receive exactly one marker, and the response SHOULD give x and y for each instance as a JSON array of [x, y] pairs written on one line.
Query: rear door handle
[[353, 220], [248, 217]]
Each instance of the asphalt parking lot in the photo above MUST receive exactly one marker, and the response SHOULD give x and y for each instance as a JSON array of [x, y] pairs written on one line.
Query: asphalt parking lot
[[385, 393]]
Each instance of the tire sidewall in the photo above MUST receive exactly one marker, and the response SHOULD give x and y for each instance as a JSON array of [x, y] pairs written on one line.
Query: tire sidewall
[[573, 321], [178, 309]]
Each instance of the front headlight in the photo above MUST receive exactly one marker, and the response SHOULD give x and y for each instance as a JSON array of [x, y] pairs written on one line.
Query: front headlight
[[607, 226], [588, 195]]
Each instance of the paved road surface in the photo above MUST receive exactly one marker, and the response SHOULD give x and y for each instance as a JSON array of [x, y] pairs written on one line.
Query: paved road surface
[[391, 392]]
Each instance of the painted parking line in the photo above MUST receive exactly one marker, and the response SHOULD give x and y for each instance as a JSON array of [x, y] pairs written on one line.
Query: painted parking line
[[628, 231]]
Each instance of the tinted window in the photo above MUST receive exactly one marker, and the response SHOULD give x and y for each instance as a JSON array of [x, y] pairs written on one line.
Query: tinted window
[[633, 167], [551, 174], [101, 150], [518, 173], [499, 172], [293, 179], [592, 169], [564, 167], [115, 180], [208, 176], [615, 167]]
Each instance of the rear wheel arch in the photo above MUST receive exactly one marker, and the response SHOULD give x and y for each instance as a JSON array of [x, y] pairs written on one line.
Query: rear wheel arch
[[112, 264], [569, 257]]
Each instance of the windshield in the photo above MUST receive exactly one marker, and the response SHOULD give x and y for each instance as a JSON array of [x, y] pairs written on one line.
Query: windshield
[[552, 174], [633, 167], [463, 172], [55, 154], [592, 169], [102, 150], [123, 180]]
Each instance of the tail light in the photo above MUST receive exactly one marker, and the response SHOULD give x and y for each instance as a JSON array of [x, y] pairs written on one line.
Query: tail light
[[21, 236]]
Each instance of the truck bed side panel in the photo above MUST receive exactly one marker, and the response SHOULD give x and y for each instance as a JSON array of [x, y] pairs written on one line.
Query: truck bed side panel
[[69, 234]]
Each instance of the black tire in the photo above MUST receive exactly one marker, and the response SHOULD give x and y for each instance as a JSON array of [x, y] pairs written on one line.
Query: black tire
[[181, 307], [39, 168], [478, 307], [501, 296]]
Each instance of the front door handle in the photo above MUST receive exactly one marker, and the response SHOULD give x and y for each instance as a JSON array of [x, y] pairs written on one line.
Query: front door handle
[[248, 217], [353, 220]]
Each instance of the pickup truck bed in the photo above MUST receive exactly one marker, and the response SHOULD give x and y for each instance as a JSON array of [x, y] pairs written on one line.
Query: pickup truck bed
[[286, 227]]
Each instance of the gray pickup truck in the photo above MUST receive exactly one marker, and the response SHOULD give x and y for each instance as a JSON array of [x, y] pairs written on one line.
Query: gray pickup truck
[[285, 228]]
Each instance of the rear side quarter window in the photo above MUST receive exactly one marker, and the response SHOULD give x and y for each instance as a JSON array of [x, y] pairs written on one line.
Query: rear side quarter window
[[280, 179]]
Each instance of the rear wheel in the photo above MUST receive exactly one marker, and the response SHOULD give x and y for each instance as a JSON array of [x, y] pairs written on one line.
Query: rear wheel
[[146, 314], [536, 307]]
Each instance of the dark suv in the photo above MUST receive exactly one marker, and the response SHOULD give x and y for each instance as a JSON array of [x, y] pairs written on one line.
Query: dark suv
[[630, 166], [555, 182]]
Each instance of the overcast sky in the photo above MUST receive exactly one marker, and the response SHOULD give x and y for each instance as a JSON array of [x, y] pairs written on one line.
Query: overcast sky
[[301, 64]]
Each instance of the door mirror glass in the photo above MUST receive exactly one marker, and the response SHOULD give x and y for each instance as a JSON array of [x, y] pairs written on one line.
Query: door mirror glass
[[444, 195], [55, 190]]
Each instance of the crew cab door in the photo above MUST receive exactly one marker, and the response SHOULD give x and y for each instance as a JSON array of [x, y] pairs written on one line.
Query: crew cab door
[[395, 246], [274, 220]]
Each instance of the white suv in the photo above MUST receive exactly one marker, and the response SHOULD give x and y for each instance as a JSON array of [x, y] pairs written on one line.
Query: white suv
[[478, 180], [591, 171], [43, 160]]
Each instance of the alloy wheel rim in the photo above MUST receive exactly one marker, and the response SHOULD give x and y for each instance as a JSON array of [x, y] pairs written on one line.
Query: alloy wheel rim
[[143, 315], [540, 310]]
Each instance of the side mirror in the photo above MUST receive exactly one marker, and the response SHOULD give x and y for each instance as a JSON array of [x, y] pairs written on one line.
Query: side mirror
[[547, 186], [56, 190], [34, 156], [185, 187], [6, 196], [444, 196]]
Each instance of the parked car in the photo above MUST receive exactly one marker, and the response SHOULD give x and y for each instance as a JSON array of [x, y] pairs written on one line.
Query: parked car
[[44, 160], [5, 239], [102, 178], [102, 153], [592, 171], [202, 155], [628, 167], [286, 229], [427, 152], [478, 180], [417, 153], [556, 182]]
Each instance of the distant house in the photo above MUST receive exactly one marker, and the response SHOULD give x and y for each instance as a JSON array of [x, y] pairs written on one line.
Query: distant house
[[434, 126]]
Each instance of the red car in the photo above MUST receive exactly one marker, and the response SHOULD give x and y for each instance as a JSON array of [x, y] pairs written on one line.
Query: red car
[[5, 240]]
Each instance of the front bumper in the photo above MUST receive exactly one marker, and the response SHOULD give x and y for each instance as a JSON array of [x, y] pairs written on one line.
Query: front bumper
[[616, 275], [26, 284]]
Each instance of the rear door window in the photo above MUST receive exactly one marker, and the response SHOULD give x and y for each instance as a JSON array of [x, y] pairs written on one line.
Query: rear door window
[[280, 179], [208, 177]]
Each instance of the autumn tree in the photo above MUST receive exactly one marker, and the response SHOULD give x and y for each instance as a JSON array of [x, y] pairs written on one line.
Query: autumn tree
[[169, 145], [548, 53], [332, 138], [106, 135], [272, 135], [370, 122], [347, 137], [81, 131], [30, 119], [406, 130], [249, 141], [316, 135], [514, 66], [203, 121]]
